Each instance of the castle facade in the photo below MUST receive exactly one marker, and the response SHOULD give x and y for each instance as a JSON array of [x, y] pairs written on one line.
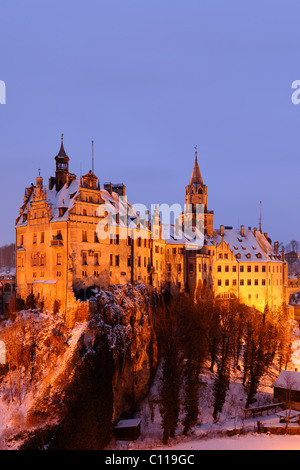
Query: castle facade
[[74, 237]]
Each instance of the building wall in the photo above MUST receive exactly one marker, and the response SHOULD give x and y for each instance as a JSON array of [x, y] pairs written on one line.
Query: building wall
[[59, 254]]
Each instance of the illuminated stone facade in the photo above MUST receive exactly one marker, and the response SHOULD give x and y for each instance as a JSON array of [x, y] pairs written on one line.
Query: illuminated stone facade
[[62, 256]]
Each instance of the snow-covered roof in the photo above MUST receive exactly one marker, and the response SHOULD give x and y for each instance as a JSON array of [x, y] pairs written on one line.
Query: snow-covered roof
[[253, 245], [175, 235], [288, 379], [128, 423], [65, 199]]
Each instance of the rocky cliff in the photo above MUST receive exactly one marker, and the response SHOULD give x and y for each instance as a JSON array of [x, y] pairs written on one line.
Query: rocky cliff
[[63, 388]]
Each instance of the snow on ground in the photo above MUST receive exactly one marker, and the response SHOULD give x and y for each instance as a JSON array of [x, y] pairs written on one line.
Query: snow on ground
[[250, 441], [208, 435]]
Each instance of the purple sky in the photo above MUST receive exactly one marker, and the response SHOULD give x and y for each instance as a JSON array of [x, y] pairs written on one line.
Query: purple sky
[[147, 81]]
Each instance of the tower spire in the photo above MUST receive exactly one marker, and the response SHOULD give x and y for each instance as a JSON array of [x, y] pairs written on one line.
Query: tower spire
[[62, 152], [62, 166], [196, 177]]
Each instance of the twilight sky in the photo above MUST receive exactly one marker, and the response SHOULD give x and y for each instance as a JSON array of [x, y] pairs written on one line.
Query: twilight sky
[[147, 81]]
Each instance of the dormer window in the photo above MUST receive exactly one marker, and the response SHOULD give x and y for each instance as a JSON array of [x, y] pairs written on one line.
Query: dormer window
[[62, 211]]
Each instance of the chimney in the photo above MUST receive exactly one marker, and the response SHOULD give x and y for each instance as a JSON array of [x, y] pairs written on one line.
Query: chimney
[[254, 231], [108, 187], [276, 247], [242, 230], [266, 236], [222, 230], [283, 255]]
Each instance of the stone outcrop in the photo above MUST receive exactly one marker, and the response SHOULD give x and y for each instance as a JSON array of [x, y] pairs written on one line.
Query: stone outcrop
[[99, 371]]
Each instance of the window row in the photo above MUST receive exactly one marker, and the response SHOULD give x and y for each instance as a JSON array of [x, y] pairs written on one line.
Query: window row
[[249, 268], [249, 282]]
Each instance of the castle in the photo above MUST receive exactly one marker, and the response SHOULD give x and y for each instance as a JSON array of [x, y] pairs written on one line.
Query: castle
[[62, 256]]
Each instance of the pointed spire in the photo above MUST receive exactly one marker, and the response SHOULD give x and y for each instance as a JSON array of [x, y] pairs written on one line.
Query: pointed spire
[[62, 152], [196, 177]]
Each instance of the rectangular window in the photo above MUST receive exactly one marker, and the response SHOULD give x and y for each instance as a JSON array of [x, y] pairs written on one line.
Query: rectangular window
[[241, 282], [111, 260], [234, 269], [256, 282], [241, 269], [219, 269], [34, 238], [42, 237], [226, 269], [256, 269], [219, 282], [234, 282], [129, 261], [96, 259], [139, 261], [58, 259], [248, 282], [249, 269], [263, 269], [226, 282], [84, 258], [84, 236]]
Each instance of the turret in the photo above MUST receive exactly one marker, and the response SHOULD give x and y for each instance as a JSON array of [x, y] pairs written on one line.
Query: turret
[[196, 193], [62, 166]]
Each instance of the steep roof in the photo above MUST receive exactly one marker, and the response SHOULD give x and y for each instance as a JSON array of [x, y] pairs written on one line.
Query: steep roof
[[288, 379], [196, 177], [253, 246]]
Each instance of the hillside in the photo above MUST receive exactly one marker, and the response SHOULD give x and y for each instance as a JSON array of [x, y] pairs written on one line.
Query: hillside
[[63, 388]]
